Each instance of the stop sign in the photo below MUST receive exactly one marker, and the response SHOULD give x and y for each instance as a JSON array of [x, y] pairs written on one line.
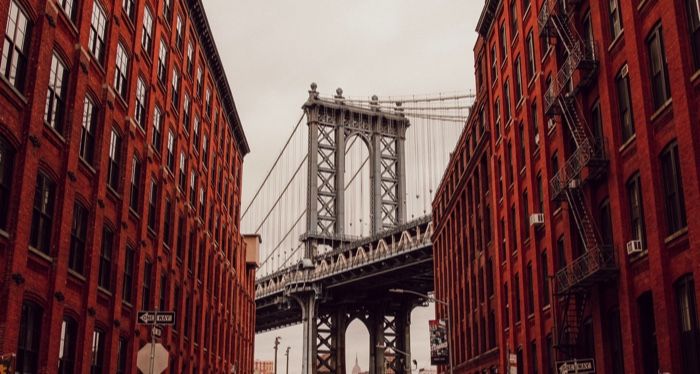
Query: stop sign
[[160, 359]]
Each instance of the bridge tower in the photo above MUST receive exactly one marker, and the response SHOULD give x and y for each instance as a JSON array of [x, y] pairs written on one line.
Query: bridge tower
[[330, 123]]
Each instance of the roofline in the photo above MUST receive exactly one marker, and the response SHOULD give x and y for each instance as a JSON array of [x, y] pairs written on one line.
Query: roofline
[[488, 14], [206, 39]]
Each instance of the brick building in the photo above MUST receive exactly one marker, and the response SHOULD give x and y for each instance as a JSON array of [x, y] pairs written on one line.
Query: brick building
[[592, 123], [120, 182]]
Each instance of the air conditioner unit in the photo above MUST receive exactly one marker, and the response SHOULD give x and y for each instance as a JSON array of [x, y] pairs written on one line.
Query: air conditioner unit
[[537, 139], [575, 183], [536, 219], [634, 247]]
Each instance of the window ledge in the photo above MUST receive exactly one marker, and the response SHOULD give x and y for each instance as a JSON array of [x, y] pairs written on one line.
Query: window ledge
[[15, 95], [104, 291], [76, 275], [664, 109], [113, 193], [676, 236], [4, 234], [41, 254], [695, 78], [628, 144], [616, 41], [53, 134], [86, 165]]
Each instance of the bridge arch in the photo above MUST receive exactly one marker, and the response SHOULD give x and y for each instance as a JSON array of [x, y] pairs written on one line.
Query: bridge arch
[[357, 185]]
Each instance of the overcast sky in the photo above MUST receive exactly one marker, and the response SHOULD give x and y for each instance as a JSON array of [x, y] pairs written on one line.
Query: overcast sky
[[273, 49]]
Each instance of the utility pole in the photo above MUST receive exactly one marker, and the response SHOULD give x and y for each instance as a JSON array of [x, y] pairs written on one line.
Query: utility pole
[[277, 343], [287, 354]]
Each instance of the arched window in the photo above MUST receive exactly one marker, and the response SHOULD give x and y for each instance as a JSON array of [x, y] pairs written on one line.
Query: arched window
[[6, 160], [29, 339], [67, 347], [42, 217]]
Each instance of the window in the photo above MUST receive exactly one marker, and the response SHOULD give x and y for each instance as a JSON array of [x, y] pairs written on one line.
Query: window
[[625, 104], [530, 305], [178, 32], [606, 227], [207, 102], [176, 88], [98, 351], [494, 65], [13, 64], [146, 288], [544, 266], [163, 62], [658, 69], [157, 129], [190, 58], [634, 194], [523, 150], [171, 151], [27, 360], [614, 337], [688, 324], [105, 275], [87, 131], [128, 281], [98, 26], [694, 25], [506, 100], [533, 357], [7, 156], [524, 221], [513, 18], [193, 188], [504, 43], [497, 116], [199, 82], [168, 224], [180, 238], [518, 81], [147, 34], [78, 238], [115, 154], [67, 345], [121, 84], [202, 203], [597, 125], [530, 56], [55, 104], [195, 130], [182, 178], [42, 217], [561, 254], [186, 113], [205, 150], [141, 102], [673, 189], [135, 188], [163, 291], [152, 200], [540, 194], [647, 332], [615, 19], [123, 350], [516, 295], [168, 9], [129, 7]]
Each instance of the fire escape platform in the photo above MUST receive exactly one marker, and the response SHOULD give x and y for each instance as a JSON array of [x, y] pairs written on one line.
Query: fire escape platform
[[593, 267]]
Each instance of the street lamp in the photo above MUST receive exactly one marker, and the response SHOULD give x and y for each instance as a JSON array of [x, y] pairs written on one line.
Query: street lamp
[[406, 354], [287, 354], [449, 317], [277, 343]]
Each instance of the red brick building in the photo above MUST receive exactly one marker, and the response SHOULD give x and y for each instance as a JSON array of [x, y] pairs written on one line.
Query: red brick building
[[593, 129], [120, 182]]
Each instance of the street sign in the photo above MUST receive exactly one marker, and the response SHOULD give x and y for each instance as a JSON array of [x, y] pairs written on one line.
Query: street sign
[[150, 317], [159, 362], [156, 332], [513, 363], [584, 366]]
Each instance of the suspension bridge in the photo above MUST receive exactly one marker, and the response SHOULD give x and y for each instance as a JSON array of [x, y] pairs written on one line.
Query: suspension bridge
[[345, 216]]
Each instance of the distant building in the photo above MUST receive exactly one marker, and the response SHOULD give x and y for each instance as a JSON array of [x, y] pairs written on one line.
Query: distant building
[[427, 371], [263, 367], [356, 369]]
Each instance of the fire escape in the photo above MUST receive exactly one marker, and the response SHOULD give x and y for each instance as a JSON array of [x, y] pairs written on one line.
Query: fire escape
[[574, 283]]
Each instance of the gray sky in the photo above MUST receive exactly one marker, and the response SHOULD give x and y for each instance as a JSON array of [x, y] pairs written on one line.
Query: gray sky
[[273, 49]]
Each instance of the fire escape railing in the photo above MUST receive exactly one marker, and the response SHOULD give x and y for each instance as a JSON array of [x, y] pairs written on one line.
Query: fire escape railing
[[597, 263]]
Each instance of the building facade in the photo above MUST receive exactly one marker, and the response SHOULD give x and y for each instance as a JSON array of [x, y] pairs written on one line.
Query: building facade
[[120, 183], [592, 109]]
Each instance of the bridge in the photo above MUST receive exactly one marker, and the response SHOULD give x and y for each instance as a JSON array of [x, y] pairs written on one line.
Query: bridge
[[344, 213]]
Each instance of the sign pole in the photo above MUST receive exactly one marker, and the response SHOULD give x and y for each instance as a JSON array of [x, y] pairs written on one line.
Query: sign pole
[[153, 341]]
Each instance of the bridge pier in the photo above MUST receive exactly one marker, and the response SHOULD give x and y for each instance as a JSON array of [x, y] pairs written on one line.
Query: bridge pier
[[391, 328]]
